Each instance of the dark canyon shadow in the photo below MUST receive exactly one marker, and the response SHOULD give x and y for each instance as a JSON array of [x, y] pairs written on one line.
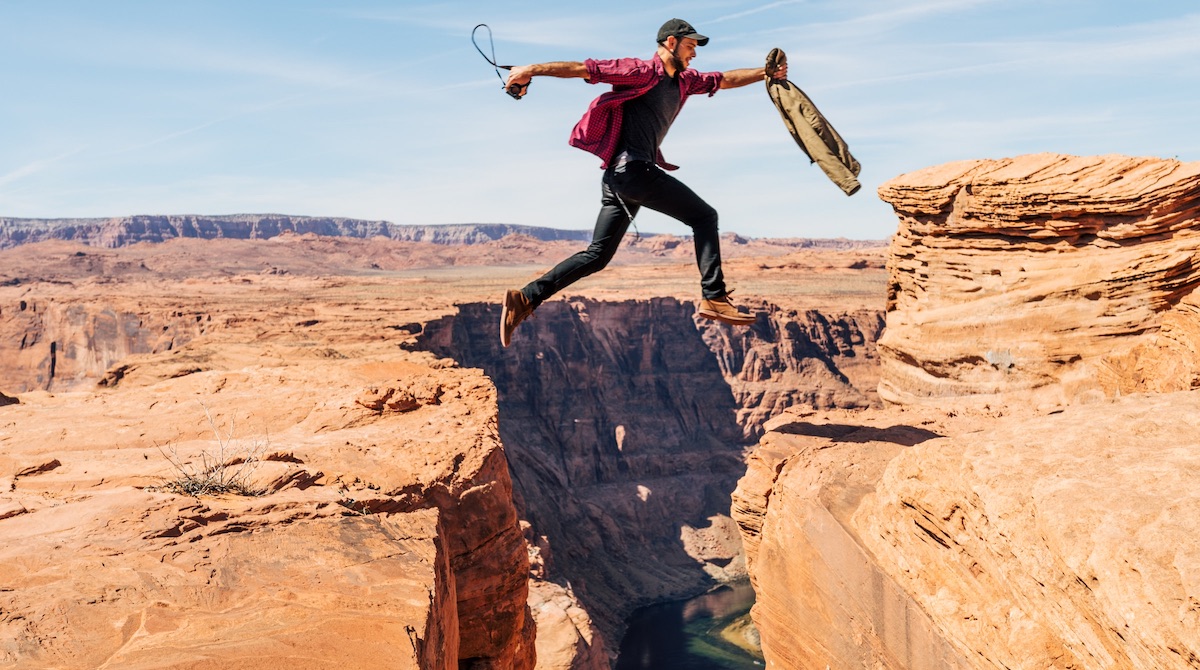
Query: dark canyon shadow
[[619, 430]]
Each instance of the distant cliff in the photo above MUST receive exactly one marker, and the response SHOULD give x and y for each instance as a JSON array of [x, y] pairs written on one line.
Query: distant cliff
[[126, 230]]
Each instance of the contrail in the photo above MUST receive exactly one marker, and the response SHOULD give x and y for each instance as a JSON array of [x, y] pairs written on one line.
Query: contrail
[[36, 166]]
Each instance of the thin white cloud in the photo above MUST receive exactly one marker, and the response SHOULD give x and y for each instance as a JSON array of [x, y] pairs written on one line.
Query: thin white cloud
[[756, 10], [36, 166], [889, 19]]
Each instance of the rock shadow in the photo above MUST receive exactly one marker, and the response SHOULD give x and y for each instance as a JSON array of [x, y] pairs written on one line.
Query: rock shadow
[[907, 436]]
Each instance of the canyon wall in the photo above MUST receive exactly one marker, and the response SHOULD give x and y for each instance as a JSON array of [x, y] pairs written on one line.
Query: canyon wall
[[50, 346], [383, 533], [1042, 273], [1028, 498], [625, 423], [923, 538], [126, 230]]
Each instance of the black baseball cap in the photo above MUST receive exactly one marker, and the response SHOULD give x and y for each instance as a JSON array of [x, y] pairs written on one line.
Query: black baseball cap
[[680, 28]]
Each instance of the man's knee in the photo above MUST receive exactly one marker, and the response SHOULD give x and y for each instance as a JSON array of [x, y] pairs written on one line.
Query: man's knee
[[598, 255], [705, 219]]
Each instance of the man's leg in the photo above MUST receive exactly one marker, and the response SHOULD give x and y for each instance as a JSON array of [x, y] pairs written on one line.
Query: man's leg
[[647, 185], [611, 224]]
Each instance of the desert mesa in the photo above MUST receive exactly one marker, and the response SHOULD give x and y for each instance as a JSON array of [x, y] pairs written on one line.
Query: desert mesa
[[970, 446]]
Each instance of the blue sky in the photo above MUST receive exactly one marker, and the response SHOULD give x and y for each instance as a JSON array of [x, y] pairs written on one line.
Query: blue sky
[[384, 110]]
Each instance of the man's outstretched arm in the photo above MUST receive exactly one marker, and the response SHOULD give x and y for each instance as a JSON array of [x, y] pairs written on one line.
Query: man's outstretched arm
[[521, 75], [744, 77]]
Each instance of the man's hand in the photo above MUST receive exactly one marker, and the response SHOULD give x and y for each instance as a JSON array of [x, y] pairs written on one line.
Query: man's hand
[[739, 78], [520, 75], [518, 80], [777, 65]]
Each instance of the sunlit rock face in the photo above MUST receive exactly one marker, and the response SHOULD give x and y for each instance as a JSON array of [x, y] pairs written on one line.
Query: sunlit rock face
[[1022, 501], [1068, 275], [921, 537]]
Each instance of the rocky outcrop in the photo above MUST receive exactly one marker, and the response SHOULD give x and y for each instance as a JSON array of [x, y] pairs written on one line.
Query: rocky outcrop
[[123, 231], [625, 424], [974, 525], [385, 535], [49, 346], [1056, 273], [822, 599], [919, 539]]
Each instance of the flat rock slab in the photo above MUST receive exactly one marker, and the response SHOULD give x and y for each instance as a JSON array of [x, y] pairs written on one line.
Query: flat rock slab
[[980, 539]]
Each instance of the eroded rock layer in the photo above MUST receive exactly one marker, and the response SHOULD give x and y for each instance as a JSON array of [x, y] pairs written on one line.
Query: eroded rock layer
[[1048, 272], [963, 539], [384, 534]]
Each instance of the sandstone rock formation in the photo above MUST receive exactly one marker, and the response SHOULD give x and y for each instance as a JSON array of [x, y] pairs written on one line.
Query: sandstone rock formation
[[926, 539], [387, 534], [1026, 505], [1050, 272], [385, 468]]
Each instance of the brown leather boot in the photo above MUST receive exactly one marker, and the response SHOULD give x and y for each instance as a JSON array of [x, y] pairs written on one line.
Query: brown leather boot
[[720, 309], [516, 309]]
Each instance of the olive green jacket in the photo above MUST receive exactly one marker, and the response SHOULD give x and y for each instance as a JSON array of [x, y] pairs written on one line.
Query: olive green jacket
[[811, 131]]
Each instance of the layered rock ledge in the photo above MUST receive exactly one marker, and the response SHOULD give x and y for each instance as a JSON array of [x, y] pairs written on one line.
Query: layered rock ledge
[[1029, 499], [923, 539], [1070, 275], [385, 533]]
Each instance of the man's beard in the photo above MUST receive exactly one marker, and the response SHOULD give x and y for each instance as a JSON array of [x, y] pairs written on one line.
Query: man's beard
[[677, 62]]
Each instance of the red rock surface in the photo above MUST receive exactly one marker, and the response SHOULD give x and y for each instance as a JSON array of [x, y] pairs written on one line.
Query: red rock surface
[[387, 524], [924, 538], [385, 466], [1042, 272], [1026, 503]]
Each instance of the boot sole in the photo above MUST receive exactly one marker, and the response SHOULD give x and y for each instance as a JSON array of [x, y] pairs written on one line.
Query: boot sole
[[503, 320], [744, 321]]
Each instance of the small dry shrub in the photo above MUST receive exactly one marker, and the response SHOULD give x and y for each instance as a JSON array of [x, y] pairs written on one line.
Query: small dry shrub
[[227, 467]]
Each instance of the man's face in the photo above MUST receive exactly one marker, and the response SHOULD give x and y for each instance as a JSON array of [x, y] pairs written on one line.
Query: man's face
[[685, 51]]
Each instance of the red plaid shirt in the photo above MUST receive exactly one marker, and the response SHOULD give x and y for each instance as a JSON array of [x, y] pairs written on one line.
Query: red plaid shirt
[[599, 131]]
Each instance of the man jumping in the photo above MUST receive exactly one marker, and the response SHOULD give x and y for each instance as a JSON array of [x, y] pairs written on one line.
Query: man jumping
[[625, 128]]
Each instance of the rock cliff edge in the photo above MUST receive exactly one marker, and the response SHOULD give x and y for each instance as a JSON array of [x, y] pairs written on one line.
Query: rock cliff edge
[[1029, 499]]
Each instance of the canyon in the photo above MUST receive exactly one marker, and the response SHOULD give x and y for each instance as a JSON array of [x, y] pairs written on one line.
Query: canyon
[[418, 488], [972, 448]]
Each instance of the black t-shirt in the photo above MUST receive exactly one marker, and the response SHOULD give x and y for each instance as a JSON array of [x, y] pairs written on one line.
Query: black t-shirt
[[647, 119]]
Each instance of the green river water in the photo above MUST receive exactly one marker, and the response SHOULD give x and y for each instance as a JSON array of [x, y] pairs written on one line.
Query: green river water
[[708, 632]]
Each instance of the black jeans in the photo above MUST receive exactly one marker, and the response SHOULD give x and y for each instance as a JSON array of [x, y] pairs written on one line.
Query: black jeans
[[639, 184]]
